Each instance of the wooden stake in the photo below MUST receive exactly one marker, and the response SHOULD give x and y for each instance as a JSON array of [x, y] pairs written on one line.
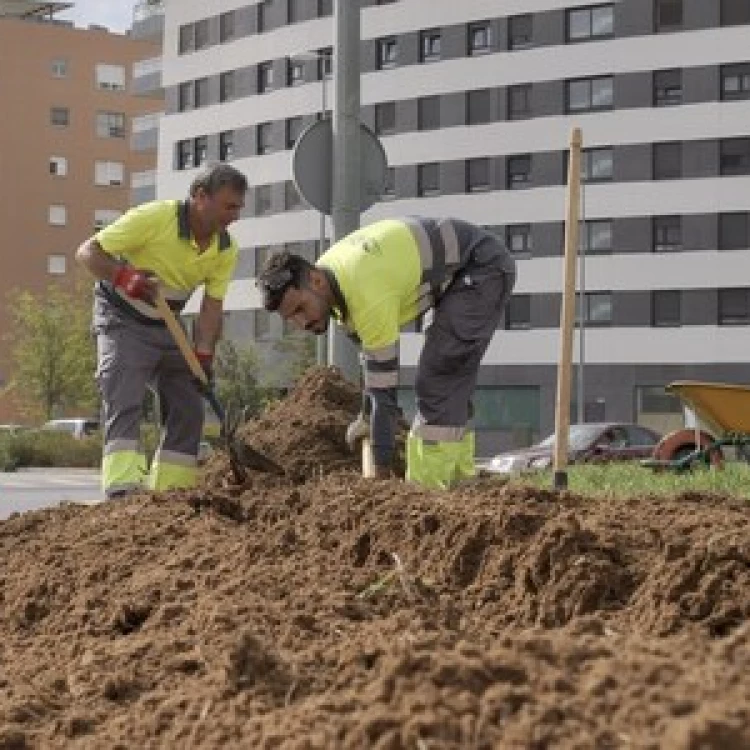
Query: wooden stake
[[562, 403], [368, 462]]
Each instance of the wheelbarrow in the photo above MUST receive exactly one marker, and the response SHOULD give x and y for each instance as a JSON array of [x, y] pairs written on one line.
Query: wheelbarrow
[[723, 408], [241, 455]]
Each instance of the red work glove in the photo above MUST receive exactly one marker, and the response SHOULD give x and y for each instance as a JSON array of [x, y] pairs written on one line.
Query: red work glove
[[207, 363], [133, 282]]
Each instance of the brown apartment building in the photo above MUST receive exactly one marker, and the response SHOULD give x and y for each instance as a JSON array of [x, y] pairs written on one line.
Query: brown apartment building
[[66, 114]]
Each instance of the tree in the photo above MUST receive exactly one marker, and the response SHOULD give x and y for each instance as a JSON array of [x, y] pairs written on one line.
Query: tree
[[297, 353], [53, 354], [238, 382]]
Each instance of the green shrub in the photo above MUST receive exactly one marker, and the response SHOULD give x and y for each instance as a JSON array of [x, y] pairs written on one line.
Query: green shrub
[[42, 448]]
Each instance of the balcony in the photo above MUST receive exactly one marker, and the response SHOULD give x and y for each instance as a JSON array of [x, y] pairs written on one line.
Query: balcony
[[146, 77], [148, 19]]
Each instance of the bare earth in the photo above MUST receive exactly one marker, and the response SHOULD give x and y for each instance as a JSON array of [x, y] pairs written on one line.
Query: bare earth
[[324, 611]]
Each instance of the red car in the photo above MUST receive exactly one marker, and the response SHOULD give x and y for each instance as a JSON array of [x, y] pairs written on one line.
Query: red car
[[590, 442]]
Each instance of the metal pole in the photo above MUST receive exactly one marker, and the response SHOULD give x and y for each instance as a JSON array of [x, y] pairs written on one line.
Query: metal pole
[[346, 153], [321, 343]]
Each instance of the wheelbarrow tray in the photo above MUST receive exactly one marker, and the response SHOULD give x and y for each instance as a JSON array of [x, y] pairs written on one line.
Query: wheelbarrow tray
[[723, 407]]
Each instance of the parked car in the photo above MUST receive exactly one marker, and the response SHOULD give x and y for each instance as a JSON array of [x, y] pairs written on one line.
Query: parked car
[[78, 427], [594, 442], [12, 429]]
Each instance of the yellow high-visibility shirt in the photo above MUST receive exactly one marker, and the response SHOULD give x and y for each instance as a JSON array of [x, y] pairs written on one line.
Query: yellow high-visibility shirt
[[156, 237]]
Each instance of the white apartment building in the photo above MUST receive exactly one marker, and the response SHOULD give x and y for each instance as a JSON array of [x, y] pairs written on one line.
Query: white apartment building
[[474, 103]]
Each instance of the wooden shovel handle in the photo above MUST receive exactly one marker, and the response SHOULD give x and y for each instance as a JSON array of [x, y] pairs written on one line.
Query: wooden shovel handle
[[178, 334]]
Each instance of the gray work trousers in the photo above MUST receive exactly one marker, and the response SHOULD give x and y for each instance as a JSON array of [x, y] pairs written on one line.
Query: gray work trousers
[[133, 356], [465, 318]]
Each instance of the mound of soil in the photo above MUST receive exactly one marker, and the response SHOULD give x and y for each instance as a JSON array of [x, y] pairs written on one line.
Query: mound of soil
[[322, 610]]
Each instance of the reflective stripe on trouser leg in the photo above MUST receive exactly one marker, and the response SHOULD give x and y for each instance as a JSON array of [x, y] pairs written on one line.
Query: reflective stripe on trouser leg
[[431, 464], [172, 471], [465, 459], [175, 462], [123, 467]]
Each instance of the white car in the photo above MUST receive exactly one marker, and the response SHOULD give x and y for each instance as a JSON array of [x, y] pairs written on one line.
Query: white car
[[78, 427]]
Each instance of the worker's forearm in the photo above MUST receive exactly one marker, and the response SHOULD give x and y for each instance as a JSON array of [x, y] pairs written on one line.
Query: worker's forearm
[[91, 256], [208, 324]]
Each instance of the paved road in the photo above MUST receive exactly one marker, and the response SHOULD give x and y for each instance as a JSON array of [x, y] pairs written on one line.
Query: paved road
[[30, 489]]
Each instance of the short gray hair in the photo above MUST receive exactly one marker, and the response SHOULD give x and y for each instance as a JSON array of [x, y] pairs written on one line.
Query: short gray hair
[[216, 176]]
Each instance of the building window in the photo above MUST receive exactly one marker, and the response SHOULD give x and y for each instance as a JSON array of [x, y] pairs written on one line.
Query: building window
[[202, 36], [58, 165], [519, 172], [295, 72], [735, 12], [264, 138], [201, 92], [428, 179], [597, 308], [186, 41], [265, 77], [429, 45], [734, 306], [226, 86], [734, 231], [59, 68], [596, 236], [200, 150], [519, 101], [389, 189], [667, 161], [263, 15], [480, 38], [666, 308], [477, 175], [518, 238], [735, 81], [590, 23], [185, 96], [292, 200], [597, 164], [477, 106], [325, 63], [385, 118], [59, 116], [734, 156], [519, 32], [184, 154], [518, 312], [587, 94], [110, 77], [109, 173], [325, 8], [428, 113], [104, 217], [262, 200], [110, 124], [57, 215], [226, 145], [57, 265], [295, 10], [667, 15], [667, 87], [226, 26], [387, 52], [667, 231], [294, 128]]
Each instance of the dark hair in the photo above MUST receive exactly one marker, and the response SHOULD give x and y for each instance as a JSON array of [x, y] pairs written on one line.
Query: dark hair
[[281, 271], [216, 176]]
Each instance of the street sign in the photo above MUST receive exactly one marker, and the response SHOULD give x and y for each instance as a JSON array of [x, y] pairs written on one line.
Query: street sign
[[312, 166]]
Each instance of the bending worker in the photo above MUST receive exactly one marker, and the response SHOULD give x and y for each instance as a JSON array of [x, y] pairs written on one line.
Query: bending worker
[[376, 280], [176, 246]]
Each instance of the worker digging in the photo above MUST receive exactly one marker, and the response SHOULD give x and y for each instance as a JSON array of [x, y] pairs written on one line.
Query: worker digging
[[169, 247], [375, 281]]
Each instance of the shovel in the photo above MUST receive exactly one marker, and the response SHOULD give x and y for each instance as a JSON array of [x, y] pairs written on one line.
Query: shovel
[[240, 455]]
